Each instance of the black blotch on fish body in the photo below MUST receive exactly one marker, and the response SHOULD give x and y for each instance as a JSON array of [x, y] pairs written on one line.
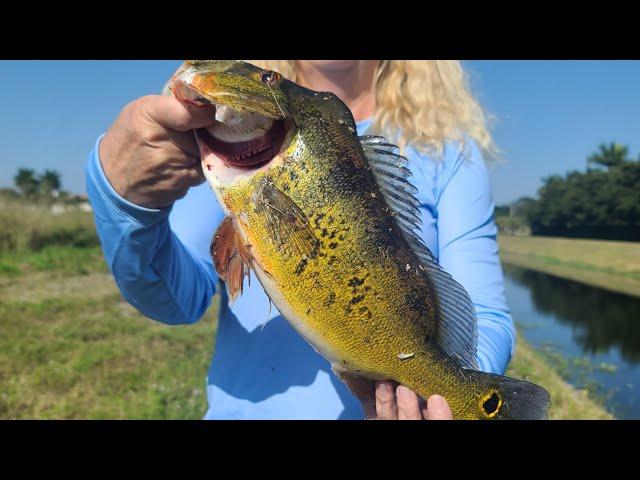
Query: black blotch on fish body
[[416, 304], [302, 264], [330, 300], [356, 299]]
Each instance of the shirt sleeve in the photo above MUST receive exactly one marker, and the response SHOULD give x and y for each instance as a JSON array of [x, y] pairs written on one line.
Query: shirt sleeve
[[468, 250], [156, 272]]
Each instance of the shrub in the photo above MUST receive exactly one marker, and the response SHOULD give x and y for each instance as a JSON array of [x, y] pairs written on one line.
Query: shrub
[[25, 226]]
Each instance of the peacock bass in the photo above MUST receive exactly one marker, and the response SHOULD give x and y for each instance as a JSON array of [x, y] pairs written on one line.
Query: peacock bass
[[328, 222]]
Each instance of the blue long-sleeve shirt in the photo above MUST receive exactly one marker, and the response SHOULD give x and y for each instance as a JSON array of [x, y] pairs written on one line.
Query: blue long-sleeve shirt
[[263, 369]]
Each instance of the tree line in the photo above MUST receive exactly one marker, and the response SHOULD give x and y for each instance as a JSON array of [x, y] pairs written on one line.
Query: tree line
[[29, 184], [33, 187], [602, 202]]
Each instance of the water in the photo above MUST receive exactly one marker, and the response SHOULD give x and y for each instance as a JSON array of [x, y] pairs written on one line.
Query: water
[[591, 335]]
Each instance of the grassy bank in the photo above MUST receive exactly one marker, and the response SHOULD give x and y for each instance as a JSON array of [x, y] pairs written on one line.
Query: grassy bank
[[567, 402], [70, 347], [611, 265]]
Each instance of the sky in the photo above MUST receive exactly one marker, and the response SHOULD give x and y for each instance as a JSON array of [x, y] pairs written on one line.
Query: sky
[[548, 115]]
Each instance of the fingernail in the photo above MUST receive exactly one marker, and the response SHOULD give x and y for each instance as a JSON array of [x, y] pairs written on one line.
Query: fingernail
[[436, 402], [403, 391], [385, 387]]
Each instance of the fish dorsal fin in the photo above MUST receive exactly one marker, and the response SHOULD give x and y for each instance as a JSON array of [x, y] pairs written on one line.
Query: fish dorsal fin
[[457, 329]]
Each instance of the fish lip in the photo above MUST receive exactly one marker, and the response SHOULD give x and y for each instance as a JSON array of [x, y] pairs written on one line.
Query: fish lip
[[250, 154], [185, 92]]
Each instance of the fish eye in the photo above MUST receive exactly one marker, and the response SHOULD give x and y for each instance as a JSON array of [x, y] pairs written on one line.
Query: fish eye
[[270, 77]]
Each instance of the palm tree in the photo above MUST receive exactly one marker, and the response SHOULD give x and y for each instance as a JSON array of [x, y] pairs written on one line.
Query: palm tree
[[25, 181], [608, 156]]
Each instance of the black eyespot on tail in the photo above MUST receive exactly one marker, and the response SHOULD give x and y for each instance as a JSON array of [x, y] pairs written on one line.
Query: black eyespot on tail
[[508, 398], [492, 404]]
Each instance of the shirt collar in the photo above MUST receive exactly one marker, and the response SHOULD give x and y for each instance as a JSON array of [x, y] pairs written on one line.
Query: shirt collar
[[363, 125]]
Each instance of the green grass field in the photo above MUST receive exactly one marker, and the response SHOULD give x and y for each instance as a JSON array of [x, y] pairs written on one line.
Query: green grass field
[[71, 347], [606, 264]]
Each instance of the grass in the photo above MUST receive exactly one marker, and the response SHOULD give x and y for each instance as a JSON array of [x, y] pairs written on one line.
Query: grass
[[611, 265], [25, 227], [567, 403], [57, 260], [93, 356], [70, 347]]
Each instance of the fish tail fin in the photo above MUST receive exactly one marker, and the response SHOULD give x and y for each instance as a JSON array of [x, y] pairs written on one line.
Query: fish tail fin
[[508, 398]]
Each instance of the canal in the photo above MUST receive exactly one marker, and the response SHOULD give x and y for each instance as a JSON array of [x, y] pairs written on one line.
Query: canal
[[590, 335]]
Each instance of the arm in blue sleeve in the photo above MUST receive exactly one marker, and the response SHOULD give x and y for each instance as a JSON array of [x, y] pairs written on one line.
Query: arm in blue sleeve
[[468, 250], [155, 271]]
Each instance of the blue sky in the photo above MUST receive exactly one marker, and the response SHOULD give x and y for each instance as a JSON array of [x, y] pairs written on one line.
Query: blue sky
[[549, 114]]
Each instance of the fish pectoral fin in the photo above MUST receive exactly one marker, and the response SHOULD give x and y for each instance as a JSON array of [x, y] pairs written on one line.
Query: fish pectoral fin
[[288, 226], [362, 388], [231, 258]]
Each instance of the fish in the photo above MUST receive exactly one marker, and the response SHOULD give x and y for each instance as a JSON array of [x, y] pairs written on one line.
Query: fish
[[328, 222]]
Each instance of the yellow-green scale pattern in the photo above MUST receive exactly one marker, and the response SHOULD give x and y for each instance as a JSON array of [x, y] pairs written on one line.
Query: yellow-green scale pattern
[[362, 293]]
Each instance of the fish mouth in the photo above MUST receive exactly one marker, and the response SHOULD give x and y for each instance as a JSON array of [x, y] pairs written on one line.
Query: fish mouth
[[242, 140]]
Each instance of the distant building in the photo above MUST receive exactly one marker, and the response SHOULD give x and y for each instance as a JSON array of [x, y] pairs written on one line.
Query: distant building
[[72, 202]]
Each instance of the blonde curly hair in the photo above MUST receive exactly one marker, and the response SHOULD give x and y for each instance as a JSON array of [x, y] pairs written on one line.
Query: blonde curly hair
[[420, 103]]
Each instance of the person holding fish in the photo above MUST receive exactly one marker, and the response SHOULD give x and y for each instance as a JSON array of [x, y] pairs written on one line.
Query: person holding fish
[[380, 261]]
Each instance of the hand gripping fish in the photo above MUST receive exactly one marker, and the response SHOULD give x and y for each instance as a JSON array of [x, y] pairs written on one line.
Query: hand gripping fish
[[328, 223]]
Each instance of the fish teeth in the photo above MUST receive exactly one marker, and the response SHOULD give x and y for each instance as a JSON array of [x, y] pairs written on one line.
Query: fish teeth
[[234, 126]]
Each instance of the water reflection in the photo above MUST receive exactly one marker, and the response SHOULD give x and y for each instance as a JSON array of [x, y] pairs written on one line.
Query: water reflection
[[599, 319]]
